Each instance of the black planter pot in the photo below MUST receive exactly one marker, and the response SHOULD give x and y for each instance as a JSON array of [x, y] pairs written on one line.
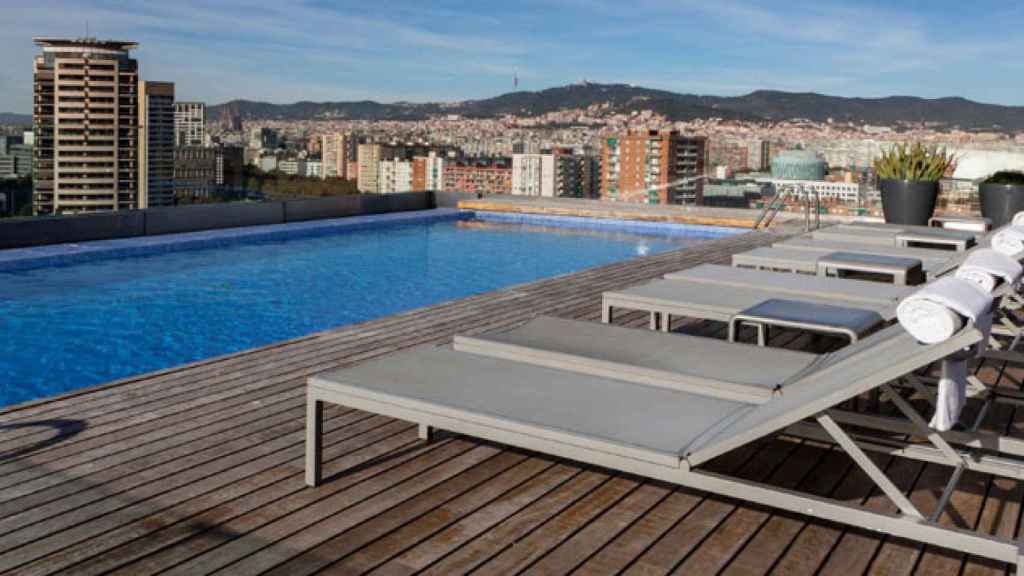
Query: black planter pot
[[908, 201], [999, 202]]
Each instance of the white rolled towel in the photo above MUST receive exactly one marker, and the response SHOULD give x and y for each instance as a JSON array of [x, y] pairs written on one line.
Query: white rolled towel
[[936, 312], [986, 267], [1009, 240], [952, 395], [1018, 219]]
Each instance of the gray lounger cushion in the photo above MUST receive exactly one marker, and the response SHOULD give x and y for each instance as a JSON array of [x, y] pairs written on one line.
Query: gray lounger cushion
[[786, 284], [697, 301]]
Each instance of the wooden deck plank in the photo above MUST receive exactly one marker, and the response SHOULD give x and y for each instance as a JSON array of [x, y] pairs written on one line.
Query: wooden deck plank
[[687, 534], [148, 534], [410, 555], [366, 545], [82, 523], [802, 469]]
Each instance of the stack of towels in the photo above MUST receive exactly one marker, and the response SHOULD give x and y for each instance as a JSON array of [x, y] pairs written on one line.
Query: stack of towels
[[939, 310], [1010, 239]]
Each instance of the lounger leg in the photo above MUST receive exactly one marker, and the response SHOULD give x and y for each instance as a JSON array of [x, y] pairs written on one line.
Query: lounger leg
[[426, 433], [606, 314], [314, 441], [655, 318]]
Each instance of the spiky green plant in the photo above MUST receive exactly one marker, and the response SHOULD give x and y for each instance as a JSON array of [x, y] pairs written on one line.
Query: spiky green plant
[[916, 162]]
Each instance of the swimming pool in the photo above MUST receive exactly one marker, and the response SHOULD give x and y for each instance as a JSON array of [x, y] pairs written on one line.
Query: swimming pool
[[76, 315]]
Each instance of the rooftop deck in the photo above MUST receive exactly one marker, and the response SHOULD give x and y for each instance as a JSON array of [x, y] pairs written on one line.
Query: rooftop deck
[[198, 470]]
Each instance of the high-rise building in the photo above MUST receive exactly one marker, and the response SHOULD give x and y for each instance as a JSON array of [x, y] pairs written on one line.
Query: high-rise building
[[230, 164], [759, 155], [369, 156], [395, 176], [653, 167], [576, 175], [156, 144], [556, 173], [428, 172], [86, 126], [533, 174], [338, 150], [189, 124]]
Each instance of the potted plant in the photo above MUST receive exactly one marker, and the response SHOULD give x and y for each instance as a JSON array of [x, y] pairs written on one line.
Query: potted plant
[[1002, 196], [908, 179]]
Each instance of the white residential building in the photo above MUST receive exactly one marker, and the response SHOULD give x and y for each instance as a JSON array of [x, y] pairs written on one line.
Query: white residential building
[[294, 167], [314, 169], [189, 124], [533, 175], [395, 176], [846, 192]]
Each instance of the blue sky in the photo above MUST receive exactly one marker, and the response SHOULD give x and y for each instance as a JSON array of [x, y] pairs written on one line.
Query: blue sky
[[428, 50]]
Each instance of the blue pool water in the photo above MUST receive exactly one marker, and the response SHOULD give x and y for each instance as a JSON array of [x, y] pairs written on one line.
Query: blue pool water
[[71, 325]]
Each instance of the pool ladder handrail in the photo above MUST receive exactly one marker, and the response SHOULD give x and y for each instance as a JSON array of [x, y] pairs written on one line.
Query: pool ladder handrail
[[778, 202]]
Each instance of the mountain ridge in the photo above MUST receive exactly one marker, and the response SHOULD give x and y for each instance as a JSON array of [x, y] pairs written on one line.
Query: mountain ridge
[[15, 119], [760, 105]]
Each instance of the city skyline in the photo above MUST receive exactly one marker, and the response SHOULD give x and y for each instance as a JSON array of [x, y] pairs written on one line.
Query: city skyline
[[293, 50]]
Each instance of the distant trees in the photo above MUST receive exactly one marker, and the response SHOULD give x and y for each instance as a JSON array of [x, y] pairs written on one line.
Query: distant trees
[[276, 185]]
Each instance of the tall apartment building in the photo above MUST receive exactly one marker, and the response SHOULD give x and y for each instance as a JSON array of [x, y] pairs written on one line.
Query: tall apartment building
[[189, 124], [156, 144], [338, 151], [85, 116], [428, 172], [653, 167], [230, 166], [577, 176], [533, 175], [556, 173], [369, 156], [759, 155], [395, 176]]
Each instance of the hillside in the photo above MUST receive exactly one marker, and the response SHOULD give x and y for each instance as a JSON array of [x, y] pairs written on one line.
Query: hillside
[[766, 105], [11, 119]]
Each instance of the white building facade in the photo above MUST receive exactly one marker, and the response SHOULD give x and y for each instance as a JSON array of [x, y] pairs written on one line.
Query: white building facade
[[395, 176], [533, 175]]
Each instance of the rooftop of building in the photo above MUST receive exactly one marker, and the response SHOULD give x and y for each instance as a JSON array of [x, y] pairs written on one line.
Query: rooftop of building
[[85, 42]]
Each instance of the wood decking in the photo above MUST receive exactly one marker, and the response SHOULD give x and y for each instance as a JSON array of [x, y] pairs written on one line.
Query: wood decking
[[198, 470]]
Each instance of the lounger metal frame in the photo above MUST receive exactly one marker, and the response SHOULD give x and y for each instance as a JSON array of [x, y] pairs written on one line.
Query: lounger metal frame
[[910, 523], [685, 470]]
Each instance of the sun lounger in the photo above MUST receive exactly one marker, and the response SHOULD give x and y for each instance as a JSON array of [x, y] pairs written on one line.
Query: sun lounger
[[928, 238], [805, 261], [664, 299], [541, 387], [822, 245], [786, 285]]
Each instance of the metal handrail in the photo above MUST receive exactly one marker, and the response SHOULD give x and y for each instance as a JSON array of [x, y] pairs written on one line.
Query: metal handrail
[[771, 208]]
